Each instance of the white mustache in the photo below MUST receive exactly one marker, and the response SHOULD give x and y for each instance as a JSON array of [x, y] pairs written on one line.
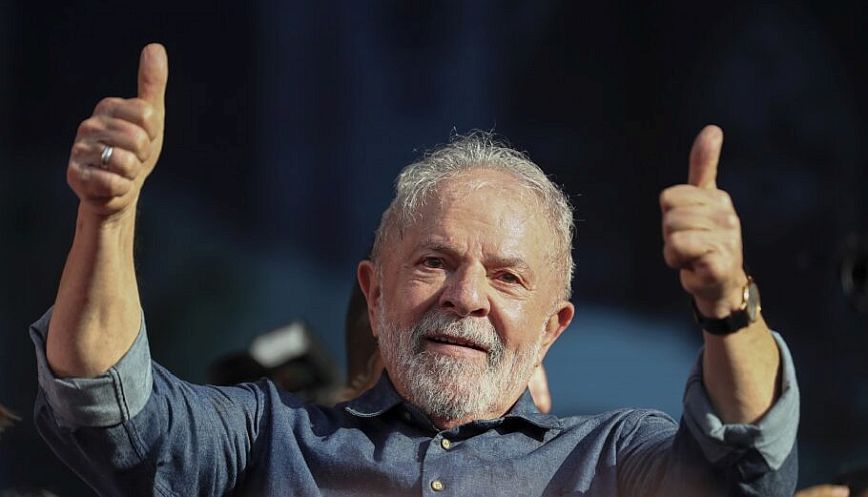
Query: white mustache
[[479, 332]]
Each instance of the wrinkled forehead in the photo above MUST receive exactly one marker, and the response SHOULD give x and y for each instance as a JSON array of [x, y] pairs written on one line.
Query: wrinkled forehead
[[490, 206], [485, 182]]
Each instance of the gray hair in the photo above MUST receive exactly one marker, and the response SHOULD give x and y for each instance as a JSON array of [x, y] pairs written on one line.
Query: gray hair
[[478, 150]]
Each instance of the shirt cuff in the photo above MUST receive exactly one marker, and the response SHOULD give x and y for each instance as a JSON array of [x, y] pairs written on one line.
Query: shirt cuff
[[107, 400], [773, 436]]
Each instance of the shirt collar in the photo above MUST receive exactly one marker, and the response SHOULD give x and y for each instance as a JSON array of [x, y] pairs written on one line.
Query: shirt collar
[[382, 397], [376, 400], [525, 409]]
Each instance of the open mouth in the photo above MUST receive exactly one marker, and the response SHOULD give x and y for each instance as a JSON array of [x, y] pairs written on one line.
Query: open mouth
[[447, 342]]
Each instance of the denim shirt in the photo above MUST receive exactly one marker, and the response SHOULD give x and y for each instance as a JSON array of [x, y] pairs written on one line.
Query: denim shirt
[[140, 431]]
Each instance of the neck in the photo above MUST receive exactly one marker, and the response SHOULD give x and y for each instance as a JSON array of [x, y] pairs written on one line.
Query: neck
[[448, 424], [504, 401]]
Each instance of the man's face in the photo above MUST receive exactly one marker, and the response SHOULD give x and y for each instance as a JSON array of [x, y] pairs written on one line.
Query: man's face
[[466, 302]]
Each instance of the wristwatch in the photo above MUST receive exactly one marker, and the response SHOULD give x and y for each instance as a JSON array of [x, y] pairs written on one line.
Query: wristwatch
[[739, 319]]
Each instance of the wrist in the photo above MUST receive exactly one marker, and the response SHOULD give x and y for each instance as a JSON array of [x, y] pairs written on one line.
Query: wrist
[[96, 233], [96, 218], [736, 317], [730, 300]]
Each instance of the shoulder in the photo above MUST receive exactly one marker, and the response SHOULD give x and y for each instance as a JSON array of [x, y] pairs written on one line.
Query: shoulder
[[622, 425]]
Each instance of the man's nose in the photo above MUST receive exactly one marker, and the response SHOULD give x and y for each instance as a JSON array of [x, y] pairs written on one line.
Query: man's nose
[[466, 293]]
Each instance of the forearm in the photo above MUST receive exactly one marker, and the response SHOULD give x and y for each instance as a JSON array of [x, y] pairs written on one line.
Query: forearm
[[741, 373], [97, 313], [702, 238]]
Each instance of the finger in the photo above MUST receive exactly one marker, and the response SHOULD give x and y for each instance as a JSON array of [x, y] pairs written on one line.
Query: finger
[[708, 216], [704, 157], [700, 218], [134, 110], [118, 133], [153, 74], [93, 183], [682, 249], [685, 195], [120, 161]]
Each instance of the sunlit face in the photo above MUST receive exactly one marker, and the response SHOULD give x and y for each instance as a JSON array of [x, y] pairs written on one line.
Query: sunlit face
[[466, 302]]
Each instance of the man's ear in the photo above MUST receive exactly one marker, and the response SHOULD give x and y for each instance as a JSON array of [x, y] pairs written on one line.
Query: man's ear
[[555, 325], [370, 285]]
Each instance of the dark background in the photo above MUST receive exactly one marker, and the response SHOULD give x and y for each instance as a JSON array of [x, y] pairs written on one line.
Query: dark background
[[287, 122]]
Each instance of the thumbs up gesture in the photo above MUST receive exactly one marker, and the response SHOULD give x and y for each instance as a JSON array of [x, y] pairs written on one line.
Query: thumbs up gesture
[[702, 233], [118, 146]]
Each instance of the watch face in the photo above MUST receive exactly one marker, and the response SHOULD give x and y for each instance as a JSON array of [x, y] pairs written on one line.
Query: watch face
[[753, 301]]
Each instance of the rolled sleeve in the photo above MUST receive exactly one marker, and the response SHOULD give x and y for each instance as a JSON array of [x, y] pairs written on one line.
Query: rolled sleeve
[[107, 400], [773, 436]]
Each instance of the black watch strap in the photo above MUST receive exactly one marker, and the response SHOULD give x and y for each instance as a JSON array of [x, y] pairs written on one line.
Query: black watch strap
[[723, 326], [739, 319]]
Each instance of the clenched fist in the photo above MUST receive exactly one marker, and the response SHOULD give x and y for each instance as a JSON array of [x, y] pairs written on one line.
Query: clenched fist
[[702, 233], [108, 181]]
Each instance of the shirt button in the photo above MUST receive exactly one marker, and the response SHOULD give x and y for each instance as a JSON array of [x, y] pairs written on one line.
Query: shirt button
[[437, 485], [446, 444]]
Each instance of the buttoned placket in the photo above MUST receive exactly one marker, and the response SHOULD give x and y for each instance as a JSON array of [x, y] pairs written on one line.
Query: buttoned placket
[[443, 454], [435, 465]]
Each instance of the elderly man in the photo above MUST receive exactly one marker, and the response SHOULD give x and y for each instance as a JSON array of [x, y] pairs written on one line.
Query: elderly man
[[467, 289]]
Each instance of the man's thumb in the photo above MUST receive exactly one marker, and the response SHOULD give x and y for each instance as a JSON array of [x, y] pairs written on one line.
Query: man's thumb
[[153, 73], [704, 157]]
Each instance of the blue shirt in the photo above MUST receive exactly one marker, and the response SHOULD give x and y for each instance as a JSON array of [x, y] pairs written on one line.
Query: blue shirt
[[140, 431]]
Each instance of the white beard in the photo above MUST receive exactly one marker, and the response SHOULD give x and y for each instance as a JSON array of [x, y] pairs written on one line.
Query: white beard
[[445, 387]]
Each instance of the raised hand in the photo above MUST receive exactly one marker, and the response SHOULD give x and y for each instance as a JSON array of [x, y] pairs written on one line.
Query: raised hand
[[97, 313], [702, 239], [108, 181], [702, 233]]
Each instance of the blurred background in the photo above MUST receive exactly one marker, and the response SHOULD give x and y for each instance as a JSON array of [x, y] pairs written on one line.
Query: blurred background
[[287, 121]]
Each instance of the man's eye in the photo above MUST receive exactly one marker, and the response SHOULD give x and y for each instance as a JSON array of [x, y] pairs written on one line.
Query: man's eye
[[508, 278], [433, 263]]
